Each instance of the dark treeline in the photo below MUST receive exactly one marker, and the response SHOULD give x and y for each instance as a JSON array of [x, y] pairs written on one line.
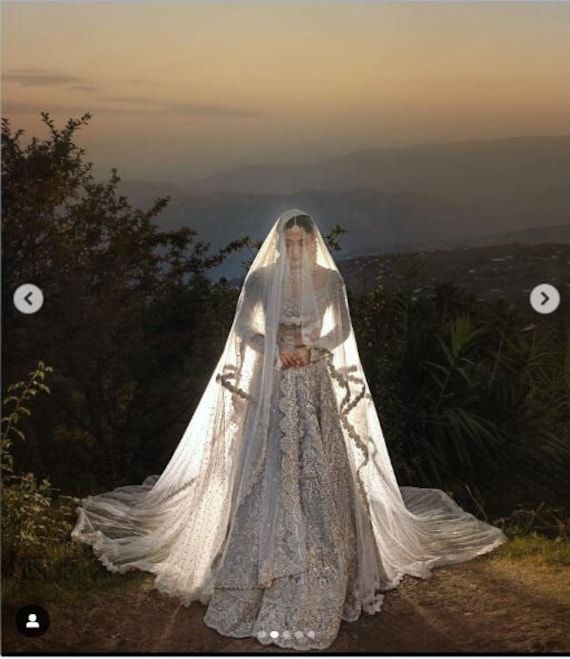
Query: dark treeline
[[473, 396]]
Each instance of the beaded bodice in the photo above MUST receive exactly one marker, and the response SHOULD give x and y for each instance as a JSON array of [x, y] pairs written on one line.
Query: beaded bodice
[[300, 312]]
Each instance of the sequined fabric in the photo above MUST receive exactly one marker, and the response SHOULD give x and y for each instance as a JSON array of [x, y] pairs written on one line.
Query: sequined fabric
[[299, 597]]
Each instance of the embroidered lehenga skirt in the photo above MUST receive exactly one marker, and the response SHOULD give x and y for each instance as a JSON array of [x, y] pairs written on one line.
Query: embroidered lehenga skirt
[[299, 595]]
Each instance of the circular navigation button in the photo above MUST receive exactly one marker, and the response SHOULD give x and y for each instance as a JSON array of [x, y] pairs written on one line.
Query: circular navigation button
[[544, 298], [28, 298], [32, 620]]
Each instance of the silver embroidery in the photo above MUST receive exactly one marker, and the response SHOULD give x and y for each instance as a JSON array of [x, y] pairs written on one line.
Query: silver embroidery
[[309, 585]]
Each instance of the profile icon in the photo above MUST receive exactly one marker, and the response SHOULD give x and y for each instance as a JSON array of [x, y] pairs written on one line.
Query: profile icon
[[32, 620]]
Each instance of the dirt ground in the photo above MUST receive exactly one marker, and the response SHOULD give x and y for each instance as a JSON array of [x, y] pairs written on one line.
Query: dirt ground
[[489, 604]]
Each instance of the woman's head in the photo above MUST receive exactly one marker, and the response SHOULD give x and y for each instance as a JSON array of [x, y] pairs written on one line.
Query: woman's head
[[300, 240]]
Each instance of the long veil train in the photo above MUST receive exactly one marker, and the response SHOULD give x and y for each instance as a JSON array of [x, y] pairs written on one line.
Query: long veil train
[[175, 524]]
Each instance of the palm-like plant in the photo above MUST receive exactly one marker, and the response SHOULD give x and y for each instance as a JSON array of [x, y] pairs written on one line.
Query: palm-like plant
[[450, 432]]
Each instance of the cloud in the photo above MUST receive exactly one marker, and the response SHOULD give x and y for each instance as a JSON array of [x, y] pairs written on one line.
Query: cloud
[[182, 107], [110, 104], [42, 78], [83, 88]]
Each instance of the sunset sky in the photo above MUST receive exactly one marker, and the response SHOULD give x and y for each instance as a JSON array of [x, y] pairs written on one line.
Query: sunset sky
[[182, 90]]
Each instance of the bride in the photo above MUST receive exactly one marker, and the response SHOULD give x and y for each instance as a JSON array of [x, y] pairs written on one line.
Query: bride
[[279, 508]]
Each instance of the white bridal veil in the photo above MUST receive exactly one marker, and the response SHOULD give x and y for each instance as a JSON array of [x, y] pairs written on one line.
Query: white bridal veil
[[175, 525]]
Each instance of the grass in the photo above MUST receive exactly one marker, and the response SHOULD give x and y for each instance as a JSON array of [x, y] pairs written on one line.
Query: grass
[[537, 549], [67, 573]]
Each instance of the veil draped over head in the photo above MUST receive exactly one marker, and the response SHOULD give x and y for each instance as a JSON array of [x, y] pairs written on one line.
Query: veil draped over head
[[176, 524]]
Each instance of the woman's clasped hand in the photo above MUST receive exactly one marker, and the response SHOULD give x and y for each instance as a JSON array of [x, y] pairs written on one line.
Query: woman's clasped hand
[[298, 357]]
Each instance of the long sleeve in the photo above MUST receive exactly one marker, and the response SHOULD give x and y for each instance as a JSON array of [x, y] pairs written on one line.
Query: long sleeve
[[249, 321], [341, 330]]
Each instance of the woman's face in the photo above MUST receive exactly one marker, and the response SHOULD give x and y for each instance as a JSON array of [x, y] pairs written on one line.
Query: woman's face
[[298, 242]]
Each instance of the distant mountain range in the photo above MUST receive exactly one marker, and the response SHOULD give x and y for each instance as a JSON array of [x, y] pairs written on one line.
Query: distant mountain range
[[525, 176], [422, 197]]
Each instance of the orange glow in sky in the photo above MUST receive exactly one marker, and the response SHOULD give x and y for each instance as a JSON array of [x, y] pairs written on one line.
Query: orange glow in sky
[[199, 87]]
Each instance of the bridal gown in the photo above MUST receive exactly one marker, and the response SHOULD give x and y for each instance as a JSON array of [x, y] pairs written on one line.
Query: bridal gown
[[280, 509], [309, 585]]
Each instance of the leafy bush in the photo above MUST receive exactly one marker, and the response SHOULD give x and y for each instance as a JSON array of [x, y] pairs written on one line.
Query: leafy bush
[[32, 520]]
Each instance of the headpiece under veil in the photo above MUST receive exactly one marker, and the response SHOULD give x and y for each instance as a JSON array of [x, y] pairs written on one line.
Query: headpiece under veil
[[176, 524]]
